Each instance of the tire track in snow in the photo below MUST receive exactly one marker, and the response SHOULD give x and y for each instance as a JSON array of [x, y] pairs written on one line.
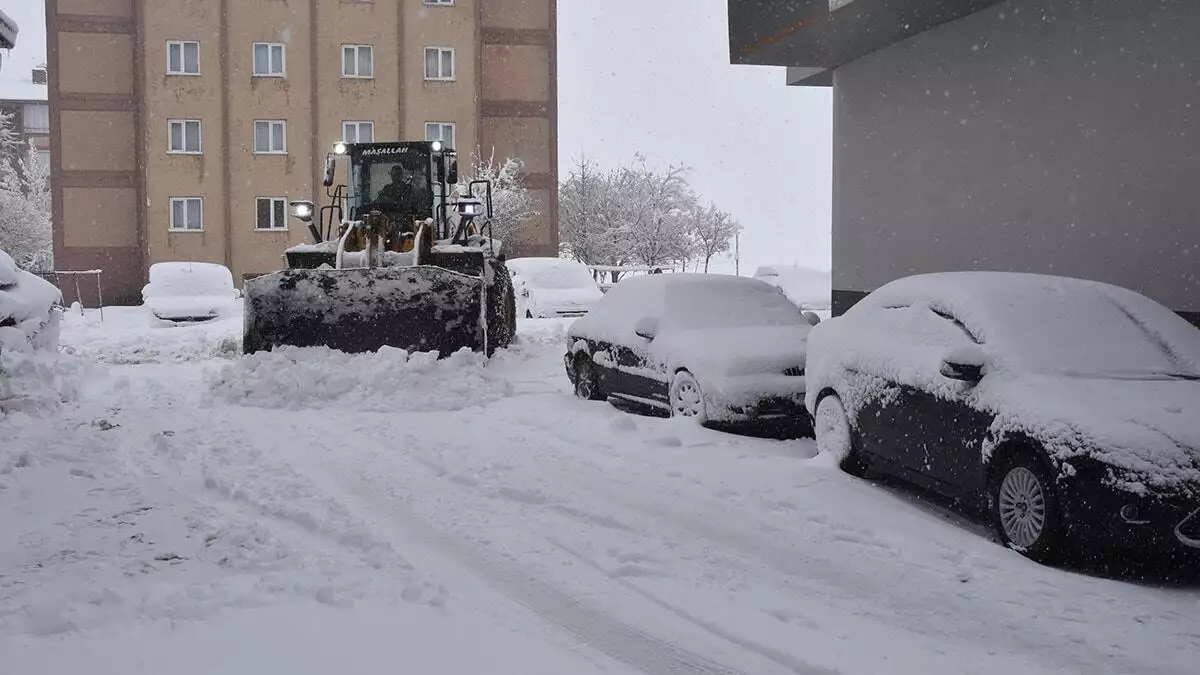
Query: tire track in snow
[[785, 660], [592, 627]]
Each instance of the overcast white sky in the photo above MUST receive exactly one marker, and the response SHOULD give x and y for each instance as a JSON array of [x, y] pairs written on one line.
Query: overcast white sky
[[30, 16], [654, 76]]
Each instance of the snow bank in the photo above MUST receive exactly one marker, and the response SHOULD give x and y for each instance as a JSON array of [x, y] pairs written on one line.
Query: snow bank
[[37, 383], [8, 269], [387, 380], [130, 335], [29, 309]]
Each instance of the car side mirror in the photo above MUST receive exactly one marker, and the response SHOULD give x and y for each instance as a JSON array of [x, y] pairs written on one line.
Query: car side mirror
[[964, 365], [646, 327]]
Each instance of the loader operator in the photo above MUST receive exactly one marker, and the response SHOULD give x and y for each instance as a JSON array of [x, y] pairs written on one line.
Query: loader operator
[[400, 191]]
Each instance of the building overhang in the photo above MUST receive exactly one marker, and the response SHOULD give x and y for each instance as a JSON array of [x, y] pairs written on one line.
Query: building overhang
[[8, 32], [813, 37]]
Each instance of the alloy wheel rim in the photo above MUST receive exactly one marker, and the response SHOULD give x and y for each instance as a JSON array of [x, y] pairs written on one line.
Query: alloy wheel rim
[[583, 382], [687, 400], [832, 430], [1022, 507]]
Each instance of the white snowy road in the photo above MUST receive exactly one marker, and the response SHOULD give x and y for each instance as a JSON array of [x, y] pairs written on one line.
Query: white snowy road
[[217, 513]]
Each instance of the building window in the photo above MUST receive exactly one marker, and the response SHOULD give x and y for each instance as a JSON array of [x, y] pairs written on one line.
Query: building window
[[272, 213], [36, 118], [183, 57], [358, 132], [270, 137], [183, 137], [187, 214], [358, 61], [439, 63], [443, 3], [43, 157], [268, 59], [440, 131]]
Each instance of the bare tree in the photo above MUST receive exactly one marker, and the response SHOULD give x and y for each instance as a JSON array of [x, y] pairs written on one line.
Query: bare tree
[[25, 232], [712, 231]]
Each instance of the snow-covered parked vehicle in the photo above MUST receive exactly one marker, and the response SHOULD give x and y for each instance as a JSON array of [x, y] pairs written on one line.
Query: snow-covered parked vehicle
[[553, 287], [1068, 409], [190, 291], [718, 348], [30, 309]]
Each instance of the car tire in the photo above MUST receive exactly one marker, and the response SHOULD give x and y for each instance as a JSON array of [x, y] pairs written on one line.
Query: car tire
[[1025, 508], [686, 398], [587, 385], [832, 431]]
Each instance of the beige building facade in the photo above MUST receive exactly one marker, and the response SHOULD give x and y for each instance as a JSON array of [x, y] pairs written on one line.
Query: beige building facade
[[180, 128]]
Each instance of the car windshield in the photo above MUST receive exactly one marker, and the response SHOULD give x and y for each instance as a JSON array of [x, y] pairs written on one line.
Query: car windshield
[[1087, 334], [559, 276], [696, 306]]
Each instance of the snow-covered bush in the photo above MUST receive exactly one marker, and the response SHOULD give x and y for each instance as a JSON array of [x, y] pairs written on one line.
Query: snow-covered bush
[[512, 205], [24, 201]]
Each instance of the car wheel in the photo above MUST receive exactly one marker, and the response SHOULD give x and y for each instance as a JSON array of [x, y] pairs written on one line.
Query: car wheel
[[1025, 508], [587, 386], [686, 398], [831, 428]]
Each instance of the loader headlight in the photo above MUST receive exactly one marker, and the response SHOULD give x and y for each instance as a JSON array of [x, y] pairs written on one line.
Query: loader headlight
[[339, 148], [302, 210], [437, 146]]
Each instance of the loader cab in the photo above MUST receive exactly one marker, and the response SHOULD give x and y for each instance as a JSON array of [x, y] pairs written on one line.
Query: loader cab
[[406, 179]]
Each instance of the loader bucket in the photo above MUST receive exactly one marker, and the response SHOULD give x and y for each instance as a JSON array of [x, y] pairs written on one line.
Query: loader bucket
[[418, 308]]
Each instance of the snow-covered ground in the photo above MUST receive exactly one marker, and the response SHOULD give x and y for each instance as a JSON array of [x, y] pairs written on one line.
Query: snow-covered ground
[[191, 510]]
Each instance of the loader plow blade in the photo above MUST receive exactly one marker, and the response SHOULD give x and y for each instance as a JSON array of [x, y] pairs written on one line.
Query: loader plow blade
[[421, 308]]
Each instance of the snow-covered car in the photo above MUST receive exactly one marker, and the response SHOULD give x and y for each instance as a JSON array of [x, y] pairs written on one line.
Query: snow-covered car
[[189, 291], [1068, 409], [807, 287], [719, 348], [30, 309], [553, 287]]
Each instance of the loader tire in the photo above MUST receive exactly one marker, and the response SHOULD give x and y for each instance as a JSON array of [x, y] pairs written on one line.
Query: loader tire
[[502, 309]]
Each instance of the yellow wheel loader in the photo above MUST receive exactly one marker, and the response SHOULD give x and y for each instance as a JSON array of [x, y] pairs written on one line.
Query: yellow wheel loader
[[401, 257]]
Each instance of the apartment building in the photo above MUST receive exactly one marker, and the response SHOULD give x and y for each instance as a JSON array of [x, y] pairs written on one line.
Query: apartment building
[[180, 128]]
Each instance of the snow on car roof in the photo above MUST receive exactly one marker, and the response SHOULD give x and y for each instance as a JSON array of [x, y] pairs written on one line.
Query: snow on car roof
[[1080, 324], [189, 279]]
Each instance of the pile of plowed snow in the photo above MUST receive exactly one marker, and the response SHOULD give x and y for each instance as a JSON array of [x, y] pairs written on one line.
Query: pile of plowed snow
[[38, 383], [388, 380]]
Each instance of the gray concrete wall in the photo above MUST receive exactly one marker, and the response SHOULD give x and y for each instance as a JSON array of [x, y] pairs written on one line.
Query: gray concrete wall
[[1053, 136]]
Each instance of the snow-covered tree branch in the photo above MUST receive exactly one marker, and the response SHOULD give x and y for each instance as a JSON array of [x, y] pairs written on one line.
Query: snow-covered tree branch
[[24, 201], [637, 215], [512, 205]]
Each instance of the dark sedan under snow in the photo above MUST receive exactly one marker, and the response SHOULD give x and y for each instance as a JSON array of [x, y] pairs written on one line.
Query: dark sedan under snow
[[1070, 409], [718, 348]]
